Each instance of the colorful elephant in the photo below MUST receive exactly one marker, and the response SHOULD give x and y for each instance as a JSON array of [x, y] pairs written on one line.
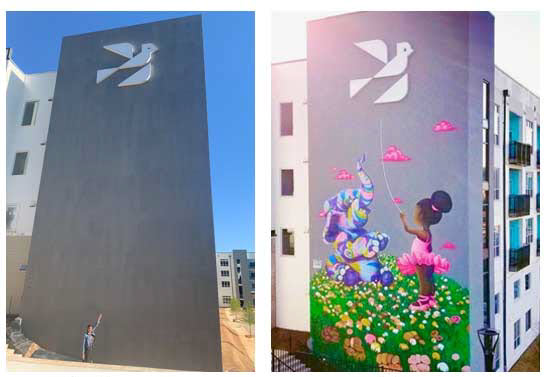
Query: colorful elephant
[[356, 249]]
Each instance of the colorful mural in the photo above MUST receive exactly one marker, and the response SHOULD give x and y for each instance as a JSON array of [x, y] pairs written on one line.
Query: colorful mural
[[372, 309]]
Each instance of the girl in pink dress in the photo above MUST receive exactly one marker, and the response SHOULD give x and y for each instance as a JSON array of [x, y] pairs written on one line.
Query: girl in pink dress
[[421, 260]]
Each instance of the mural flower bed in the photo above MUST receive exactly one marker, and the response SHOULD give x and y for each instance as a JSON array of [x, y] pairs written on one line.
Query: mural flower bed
[[373, 323]]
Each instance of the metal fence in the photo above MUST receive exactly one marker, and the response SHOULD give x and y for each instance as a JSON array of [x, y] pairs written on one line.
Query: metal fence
[[284, 361]]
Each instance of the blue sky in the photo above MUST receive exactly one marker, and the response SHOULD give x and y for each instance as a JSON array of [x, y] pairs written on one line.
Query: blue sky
[[229, 47]]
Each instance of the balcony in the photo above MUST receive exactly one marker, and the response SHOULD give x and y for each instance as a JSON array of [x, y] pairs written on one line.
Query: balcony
[[538, 201], [538, 247], [519, 154], [519, 258], [519, 205]]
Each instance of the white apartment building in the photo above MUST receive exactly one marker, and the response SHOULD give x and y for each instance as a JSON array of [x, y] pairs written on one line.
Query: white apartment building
[[290, 238], [28, 106], [516, 218], [236, 277]]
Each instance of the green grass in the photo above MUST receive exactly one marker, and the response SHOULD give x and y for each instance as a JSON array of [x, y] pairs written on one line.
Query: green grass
[[370, 308]]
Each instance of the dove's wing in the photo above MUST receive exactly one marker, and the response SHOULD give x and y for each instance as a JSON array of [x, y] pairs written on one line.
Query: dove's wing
[[139, 77], [123, 49], [396, 92], [394, 67], [375, 48], [139, 60]]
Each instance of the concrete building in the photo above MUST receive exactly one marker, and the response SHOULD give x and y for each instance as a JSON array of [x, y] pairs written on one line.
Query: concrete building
[[124, 222], [508, 184], [28, 107], [236, 277]]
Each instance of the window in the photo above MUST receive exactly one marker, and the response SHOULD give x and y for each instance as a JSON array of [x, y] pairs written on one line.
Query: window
[[529, 132], [288, 242], [286, 119], [29, 113], [485, 100], [11, 211], [252, 275], [527, 281], [23, 267], [496, 123], [20, 164], [253, 286], [529, 231], [496, 241], [516, 289], [251, 264], [528, 320], [517, 339], [225, 284], [497, 298], [497, 183], [529, 184], [287, 182], [225, 273], [226, 300], [224, 262]]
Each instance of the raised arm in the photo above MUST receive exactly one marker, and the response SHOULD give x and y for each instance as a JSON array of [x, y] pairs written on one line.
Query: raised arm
[[98, 321], [422, 234]]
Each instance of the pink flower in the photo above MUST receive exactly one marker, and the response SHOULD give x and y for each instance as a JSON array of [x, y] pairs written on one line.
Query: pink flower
[[419, 363], [397, 200], [370, 338], [466, 368], [455, 319]]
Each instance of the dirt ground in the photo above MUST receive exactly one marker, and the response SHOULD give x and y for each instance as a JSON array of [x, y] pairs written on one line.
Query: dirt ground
[[238, 348], [530, 360]]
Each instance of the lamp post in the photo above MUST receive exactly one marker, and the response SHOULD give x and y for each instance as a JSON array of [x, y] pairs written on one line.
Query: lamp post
[[489, 339]]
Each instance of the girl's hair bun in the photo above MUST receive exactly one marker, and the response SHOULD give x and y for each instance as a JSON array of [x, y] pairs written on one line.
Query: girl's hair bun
[[441, 201]]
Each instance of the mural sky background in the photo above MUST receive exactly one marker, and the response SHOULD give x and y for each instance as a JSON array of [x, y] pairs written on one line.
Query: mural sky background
[[229, 49]]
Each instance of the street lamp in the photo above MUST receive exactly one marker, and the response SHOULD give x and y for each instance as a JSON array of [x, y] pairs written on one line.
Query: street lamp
[[489, 339]]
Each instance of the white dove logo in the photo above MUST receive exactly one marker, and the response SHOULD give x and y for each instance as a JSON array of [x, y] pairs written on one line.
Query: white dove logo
[[142, 59], [394, 67]]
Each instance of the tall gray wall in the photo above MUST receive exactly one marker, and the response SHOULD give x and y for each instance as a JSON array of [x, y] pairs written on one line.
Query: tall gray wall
[[124, 218], [453, 54]]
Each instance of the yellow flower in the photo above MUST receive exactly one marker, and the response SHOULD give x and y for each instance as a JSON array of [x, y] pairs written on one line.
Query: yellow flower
[[376, 347], [436, 356], [435, 324], [421, 326], [404, 347]]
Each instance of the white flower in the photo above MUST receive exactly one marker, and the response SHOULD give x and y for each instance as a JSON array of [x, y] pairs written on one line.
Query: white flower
[[443, 367], [412, 341], [441, 347]]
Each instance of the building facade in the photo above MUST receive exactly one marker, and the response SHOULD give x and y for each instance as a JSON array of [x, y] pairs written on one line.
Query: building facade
[[304, 100], [124, 222], [28, 107], [236, 278]]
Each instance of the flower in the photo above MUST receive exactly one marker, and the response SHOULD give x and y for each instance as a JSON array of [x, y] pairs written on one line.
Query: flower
[[455, 356], [404, 347], [376, 347], [389, 361], [370, 338], [455, 319], [380, 340], [436, 356], [443, 367], [330, 334], [353, 348], [412, 341], [419, 363], [466, 368]]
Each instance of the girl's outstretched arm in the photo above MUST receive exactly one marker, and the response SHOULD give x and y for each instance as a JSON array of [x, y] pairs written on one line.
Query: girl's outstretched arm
[[98, 321], [422, 234]]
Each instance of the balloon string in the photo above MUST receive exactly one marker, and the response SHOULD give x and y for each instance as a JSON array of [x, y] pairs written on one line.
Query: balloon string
[[384, 172]]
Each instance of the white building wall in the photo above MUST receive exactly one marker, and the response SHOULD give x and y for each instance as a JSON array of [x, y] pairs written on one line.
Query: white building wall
[[22, 190], [525, 104], [291, 212]]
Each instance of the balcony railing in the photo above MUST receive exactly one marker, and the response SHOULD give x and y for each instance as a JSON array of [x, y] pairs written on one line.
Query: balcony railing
[[519, 205], [519, 258], [538, 201], [538, 247], [519, 153]]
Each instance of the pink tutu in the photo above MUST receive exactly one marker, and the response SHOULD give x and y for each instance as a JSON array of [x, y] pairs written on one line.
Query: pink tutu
[[407, 262]]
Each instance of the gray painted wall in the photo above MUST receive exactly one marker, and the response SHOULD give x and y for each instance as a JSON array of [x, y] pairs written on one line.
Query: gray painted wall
[[124, 219], [453, 52]]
